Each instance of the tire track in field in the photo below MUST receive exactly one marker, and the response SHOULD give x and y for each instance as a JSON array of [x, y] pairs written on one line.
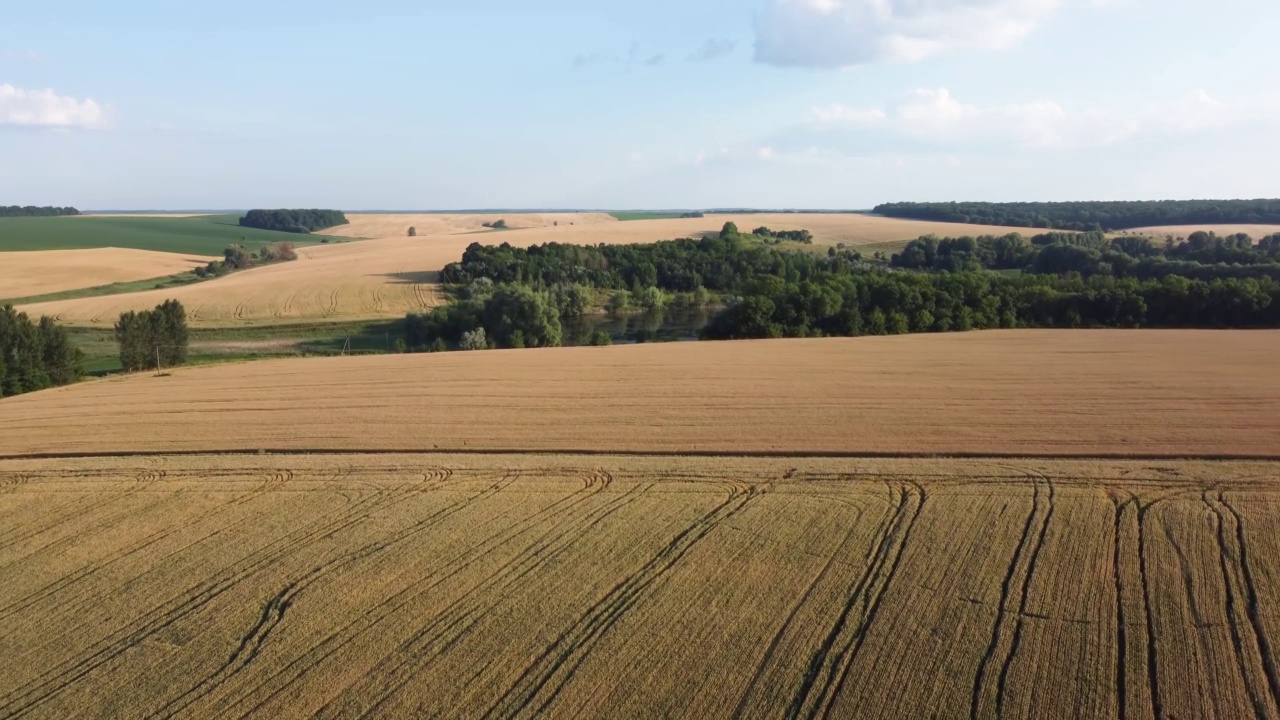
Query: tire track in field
[[143, 478], [544, 679], [274, 609], [1024, 596], [1122, 627], [767, 660], [342, 637], [1013, 591], [829, 667], [449, 626], [374, 615], [61, 584], [1251, 593], [23, 700], [1144, 578], [1247, 637]]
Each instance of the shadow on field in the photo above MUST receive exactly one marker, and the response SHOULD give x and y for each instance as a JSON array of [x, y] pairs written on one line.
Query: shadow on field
[[413, 278]]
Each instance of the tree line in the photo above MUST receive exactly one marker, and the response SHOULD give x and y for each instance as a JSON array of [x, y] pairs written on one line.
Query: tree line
[[1090, 215], [33, 211], [933, 286], [34, 355], [1203, 256], [293, 221], [237, 257]]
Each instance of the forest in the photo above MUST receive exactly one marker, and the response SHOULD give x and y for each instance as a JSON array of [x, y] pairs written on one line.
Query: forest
[[518, 296], [1089, 215], [33, 211], [1203, 256], [293, 221], [34, 355]]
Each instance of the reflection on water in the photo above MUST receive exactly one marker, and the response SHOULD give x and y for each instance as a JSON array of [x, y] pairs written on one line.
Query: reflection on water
[[657, 326]]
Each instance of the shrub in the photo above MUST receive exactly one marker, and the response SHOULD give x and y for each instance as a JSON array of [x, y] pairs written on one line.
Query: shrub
[[473, 340]]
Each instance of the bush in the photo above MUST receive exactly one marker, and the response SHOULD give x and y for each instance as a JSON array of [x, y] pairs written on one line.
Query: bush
[[413, 232], [618, 302], [474, 340], [600, 338]]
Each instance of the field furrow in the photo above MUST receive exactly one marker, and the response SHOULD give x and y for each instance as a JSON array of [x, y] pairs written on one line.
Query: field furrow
[[512, 586]]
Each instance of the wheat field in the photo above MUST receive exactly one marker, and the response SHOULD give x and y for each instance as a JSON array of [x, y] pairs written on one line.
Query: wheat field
[[1257, 232], [392, 274], [1048, 392], [466, 586], [29, 273]]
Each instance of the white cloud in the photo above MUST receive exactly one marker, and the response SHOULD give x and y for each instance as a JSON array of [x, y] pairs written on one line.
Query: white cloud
[[843, 113], [845, 33], [44, 108], [765, 153], [935, 117]]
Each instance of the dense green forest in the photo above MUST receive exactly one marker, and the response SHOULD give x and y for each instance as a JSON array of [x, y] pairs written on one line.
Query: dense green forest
[[294, 221], [1204, 255], [34, 355], [1090, 215], [519, 296], [33, 211]]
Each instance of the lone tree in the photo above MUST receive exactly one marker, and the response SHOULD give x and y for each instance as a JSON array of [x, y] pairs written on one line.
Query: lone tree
[[413, 232], [153, 338]]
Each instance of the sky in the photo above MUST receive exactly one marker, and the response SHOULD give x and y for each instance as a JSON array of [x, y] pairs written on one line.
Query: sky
[[635, 104]]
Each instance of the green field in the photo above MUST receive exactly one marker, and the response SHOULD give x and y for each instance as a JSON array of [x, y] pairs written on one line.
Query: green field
[[208, 345], [204, 235]]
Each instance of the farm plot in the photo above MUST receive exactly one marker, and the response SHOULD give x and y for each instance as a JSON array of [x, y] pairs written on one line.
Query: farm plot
[[1002, 392], [25, 274], [395, 274], [569, 586]]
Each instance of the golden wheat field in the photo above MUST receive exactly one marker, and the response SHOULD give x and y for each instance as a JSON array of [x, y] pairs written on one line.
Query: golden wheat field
[[393, 586], [393, 274], [1257, 232], [1048, 392], [39, 272]]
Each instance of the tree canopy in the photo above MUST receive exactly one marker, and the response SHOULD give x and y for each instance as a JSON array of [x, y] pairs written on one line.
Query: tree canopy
[[153, 336], [33, 211], [34, 355], [294, 221], [1090, 215]]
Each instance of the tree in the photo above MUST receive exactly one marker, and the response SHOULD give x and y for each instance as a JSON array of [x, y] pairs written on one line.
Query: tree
[[413, 232], [729, 230], [153, 336], [474, 340], [521, 309]]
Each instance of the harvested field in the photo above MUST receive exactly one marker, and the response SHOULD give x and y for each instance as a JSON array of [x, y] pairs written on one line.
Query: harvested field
[[562, 586], [396, 275], [1257, 232], [23, 274], [396, 225], [1173, 393]]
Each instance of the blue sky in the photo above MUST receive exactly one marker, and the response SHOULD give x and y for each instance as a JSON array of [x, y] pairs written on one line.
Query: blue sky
[[658, 104]]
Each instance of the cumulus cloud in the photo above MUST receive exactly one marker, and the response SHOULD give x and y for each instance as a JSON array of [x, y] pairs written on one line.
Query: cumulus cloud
[[45, 108], [934, 117], [845, 33]]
